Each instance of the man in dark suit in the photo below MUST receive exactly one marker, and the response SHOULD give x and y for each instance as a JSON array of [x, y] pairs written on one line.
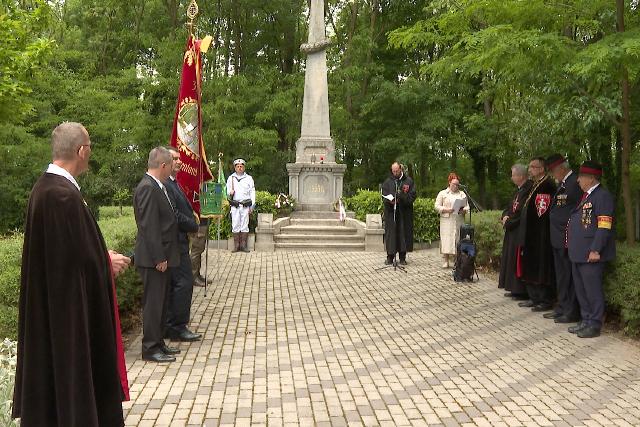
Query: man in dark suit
[[156, 252], [181, 290], [591, 244], [564, 201]]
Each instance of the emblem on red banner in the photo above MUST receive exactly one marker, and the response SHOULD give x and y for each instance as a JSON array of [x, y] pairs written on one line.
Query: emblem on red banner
[[542, 203]]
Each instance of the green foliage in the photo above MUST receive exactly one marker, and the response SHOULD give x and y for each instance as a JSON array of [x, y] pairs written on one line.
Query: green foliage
[[426, 220], [622, 292], [10, 261], [488, 236], [8, 360], [364, 202]]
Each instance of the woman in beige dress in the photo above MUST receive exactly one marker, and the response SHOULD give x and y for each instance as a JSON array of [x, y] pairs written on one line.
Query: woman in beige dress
[[450, 221]]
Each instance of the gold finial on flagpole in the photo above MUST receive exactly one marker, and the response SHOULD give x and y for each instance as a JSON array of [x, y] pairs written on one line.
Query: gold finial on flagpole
[[192, 13]]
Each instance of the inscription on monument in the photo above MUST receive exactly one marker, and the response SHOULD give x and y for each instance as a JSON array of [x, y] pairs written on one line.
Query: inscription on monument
[[315, 187]]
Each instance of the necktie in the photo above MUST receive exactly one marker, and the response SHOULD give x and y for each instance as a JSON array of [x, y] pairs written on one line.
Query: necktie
[[584, 196], [164, 189]]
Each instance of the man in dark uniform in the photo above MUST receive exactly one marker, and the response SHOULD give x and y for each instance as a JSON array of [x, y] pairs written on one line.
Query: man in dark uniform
[[563, 203], [535, 262], [181, 290], [398, 193], [591, 244], [510, 221]]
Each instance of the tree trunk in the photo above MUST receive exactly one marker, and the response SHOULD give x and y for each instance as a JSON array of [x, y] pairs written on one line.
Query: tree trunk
[[350, 143], [625, 128]]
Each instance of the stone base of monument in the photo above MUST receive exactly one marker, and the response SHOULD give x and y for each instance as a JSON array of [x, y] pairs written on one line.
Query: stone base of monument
[[315, 186], [317, 231]]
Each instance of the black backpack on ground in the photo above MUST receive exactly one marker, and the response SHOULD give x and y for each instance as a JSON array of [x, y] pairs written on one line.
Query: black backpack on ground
[[466, 250]]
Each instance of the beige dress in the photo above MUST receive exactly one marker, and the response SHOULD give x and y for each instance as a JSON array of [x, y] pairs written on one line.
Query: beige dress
[[450, 222]]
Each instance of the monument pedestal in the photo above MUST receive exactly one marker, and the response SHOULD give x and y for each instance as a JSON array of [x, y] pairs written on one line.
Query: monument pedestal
[[316, 186]]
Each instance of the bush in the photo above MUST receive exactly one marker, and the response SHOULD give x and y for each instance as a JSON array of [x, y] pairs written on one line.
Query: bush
[[10, 261], [489, 236], [107, 212], [622, 292], [363, 203], [8, 352], [119, 233], [426, 221]]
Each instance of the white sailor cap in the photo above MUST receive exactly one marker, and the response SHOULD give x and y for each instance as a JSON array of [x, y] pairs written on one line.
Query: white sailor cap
[[239, 162]]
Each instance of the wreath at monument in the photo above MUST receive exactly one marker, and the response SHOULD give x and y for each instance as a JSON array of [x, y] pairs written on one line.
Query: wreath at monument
[[284, 203]]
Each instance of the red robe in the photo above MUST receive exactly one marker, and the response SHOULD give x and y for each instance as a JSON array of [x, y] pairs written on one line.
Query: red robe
[[68, 371]]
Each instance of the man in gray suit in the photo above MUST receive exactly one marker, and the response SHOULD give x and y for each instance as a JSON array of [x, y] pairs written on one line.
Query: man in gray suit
[[156, 252]]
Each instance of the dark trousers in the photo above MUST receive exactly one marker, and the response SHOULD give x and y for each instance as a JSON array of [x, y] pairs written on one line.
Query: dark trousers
[[154, 308], [566, 292], [587, 278], [180, 293], [540, 294]]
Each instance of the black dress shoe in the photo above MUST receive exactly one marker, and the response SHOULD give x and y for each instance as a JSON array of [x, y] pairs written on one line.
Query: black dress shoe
[[542, 307], [170, 350], [508, 294], [388, 261], [198, 282], [576, 328], [552, 315], [565, 319], [519, 297], [185, 336], [589, 332], [158, 357], [403, 262], [528, 303]]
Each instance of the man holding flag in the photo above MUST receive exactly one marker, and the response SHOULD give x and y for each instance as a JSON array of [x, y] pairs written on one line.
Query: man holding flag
[[187, 138]]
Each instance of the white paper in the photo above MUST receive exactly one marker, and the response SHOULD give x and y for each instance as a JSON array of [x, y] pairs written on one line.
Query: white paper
[[389, 197], [457, 205]]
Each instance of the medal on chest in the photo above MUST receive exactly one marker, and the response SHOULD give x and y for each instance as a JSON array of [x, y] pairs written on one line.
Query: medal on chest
[[587, 212], [561, 200]]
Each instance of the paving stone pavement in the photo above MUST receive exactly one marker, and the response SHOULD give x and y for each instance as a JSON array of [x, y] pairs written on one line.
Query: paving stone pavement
[[302, 338]]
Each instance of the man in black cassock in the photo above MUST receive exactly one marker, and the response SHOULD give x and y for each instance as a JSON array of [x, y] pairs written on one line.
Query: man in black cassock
[[535, 262], [511, 221], [70, 370], [399, 193]]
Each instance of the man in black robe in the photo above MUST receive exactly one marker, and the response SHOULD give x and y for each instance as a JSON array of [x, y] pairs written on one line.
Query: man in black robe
[[511, 221], [398, 193], [535, 263], [70, 369]]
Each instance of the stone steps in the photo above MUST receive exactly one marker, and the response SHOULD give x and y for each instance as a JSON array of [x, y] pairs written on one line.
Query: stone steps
[[321, 246], [318, 231], [314, 230]]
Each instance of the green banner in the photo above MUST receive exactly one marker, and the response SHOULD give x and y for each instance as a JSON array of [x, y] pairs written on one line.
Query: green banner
[[211, 199]]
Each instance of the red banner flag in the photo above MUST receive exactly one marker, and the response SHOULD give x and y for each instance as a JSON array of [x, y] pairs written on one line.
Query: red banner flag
[[187, 126]]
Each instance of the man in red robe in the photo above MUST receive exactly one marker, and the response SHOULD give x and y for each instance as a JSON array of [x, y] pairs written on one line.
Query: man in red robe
[[70, 370]]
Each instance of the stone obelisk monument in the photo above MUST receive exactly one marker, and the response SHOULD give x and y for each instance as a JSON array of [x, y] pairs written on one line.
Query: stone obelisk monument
[[315, 179]]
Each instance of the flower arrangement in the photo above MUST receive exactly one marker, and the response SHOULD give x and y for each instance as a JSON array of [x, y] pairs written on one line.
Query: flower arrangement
[[8, 351], [284, 203]]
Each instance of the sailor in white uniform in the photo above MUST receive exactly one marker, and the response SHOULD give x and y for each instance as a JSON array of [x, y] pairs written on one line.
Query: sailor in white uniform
[[242, 198]]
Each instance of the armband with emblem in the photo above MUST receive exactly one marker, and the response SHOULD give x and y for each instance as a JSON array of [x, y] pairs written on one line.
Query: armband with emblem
[[605, 222]]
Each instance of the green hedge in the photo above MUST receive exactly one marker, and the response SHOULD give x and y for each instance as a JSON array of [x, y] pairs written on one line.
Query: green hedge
[[119, 233], [426, 221], [488, 235], [622, 290]]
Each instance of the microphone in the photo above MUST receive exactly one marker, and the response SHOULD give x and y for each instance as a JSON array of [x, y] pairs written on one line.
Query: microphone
[[462, 186]]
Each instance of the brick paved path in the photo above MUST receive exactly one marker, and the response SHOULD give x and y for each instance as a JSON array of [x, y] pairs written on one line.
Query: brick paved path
[[323, 339]]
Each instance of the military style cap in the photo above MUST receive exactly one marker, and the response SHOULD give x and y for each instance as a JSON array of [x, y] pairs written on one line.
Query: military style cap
[[590, 167], [239, 162], [554, 160]]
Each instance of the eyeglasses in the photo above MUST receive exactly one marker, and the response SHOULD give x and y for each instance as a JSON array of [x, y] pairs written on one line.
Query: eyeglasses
[[176, 158]]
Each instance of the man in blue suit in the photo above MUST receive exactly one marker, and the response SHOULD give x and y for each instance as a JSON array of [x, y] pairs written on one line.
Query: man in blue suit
[[181, 290], [564, 201], [591, 244]]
